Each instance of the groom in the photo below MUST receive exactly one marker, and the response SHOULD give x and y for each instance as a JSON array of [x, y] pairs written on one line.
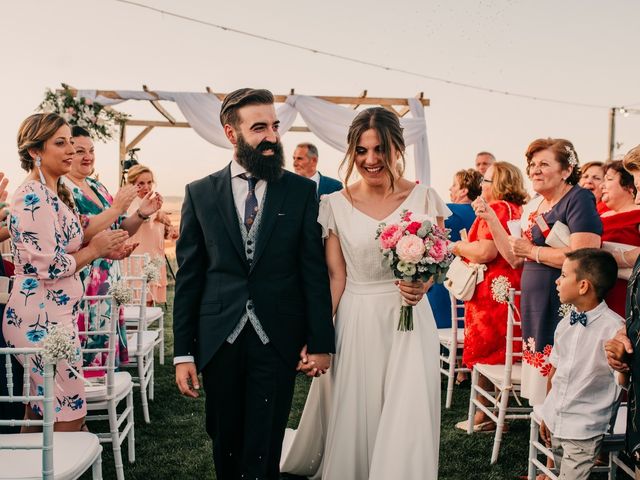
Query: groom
[[252, 291]]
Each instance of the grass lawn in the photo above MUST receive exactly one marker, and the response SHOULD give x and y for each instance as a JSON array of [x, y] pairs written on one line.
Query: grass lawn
[[175, 446]]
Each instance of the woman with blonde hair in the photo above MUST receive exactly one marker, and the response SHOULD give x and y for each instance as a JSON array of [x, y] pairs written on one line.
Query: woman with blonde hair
[[47, 246], [151, 234], [503, 195]]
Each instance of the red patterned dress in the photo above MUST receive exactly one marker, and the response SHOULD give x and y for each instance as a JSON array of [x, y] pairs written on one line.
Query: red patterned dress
[[620, 228], [485, 320]]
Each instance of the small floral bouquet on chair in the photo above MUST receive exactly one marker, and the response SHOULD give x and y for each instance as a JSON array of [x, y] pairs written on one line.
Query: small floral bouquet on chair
[[415, 250]]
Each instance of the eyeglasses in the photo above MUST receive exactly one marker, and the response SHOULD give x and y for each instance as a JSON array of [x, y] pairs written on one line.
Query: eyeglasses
[[487, 180]]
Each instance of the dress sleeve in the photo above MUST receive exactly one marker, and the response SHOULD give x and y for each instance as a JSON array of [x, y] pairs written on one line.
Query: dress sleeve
[[581, 213], [325, 217], [435, 207], [42, 247], [502, 212]]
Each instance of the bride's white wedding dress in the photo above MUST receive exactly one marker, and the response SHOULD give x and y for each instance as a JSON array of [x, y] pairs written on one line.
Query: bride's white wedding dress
[[376, 416]]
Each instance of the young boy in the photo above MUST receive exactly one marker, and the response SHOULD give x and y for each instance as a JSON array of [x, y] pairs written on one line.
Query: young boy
[[581, 388]]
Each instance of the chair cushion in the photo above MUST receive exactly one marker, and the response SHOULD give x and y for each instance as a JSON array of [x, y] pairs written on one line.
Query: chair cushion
[[131, 314], [73, 454], [148, 339], [122, 384], [495, 373], [445, 336]]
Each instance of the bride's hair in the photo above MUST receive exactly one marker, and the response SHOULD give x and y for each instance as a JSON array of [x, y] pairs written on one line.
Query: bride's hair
[[387, 125]]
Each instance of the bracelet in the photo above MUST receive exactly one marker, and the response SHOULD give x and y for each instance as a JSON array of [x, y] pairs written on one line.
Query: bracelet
[[141, 216], [538, 254]]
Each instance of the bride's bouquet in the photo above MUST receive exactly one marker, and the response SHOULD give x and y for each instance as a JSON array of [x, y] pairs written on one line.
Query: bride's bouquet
[[415, 250]]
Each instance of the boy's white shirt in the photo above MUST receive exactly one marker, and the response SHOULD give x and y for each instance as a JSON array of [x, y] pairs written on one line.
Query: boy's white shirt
[[584, 387]]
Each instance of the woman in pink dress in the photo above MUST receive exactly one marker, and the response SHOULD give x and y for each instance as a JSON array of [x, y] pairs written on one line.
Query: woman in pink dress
[[151, 233], [46, 240]]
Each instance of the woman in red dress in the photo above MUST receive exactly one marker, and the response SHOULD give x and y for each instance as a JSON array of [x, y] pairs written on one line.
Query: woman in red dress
[[621, 224], [485, 327]]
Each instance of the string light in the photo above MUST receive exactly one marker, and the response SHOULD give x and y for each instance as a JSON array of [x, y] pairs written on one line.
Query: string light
[[361, 62]]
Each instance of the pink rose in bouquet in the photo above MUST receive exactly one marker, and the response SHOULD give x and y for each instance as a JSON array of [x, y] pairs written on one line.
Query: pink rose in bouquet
[[416, 250], [439, 250], [410, 248], [389, 236]]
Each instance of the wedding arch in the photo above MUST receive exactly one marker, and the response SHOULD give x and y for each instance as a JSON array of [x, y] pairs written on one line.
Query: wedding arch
[[328, 117]]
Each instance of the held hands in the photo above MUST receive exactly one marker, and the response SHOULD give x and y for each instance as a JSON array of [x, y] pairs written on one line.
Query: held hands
[[618, 350], [412, 292], [187, 379], [124, 197], [151, 203], [313, 364], [108, 242]]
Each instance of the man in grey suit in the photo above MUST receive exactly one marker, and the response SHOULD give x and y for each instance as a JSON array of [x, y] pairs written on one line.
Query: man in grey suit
[[305, 163]]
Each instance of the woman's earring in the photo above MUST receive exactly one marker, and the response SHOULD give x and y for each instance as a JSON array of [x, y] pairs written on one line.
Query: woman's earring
[[38, 161], [39, 165]]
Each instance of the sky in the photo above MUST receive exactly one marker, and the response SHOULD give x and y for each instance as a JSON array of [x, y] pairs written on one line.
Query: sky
[[575, 50]]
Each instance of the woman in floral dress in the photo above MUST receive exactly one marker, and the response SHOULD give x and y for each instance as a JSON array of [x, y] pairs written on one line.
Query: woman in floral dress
[[47, 241], [99, 211]]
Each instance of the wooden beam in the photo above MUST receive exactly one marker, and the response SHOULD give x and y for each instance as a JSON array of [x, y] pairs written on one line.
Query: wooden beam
[[362, 95], [382, 101], [157, 106], [139, 137], [391, 109], [156, 123], [122, 151], [405, 110]]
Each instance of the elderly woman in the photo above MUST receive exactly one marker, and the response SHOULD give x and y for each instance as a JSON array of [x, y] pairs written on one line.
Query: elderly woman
[[49, 250], [503, 194], [621, 224], [620, 350], [99, 211], [150, 237], [591, 178], [552, 166], [466, 187]]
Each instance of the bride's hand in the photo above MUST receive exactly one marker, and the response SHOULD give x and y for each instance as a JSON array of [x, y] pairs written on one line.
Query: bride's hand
[[412, 292]]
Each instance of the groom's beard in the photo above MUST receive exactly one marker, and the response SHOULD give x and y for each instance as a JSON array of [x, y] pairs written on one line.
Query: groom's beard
[[263, 167]]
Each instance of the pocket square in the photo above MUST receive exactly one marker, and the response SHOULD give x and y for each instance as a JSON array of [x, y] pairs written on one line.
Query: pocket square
[[281, 214]]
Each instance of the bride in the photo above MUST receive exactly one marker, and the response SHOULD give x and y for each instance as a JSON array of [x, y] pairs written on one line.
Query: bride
[[376, 416]]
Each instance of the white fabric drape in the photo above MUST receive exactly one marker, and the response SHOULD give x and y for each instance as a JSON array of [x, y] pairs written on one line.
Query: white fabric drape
[[328, 121]]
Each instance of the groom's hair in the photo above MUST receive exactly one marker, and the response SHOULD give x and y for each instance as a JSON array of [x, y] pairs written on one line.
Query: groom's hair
[[241, 98]]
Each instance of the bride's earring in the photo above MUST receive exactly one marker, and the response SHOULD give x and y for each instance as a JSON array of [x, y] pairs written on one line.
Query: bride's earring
[[39, 165]]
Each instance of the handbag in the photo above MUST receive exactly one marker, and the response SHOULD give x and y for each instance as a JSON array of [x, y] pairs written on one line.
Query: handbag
[[462, 278]]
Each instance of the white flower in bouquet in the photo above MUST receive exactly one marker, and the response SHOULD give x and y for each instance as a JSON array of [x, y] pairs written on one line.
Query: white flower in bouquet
[[500, 289], [58, 345], [121, 292], [151, 271], [565, 309]]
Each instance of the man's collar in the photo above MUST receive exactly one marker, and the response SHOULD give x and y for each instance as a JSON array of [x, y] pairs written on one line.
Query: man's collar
[[316, 177], [236, 168]]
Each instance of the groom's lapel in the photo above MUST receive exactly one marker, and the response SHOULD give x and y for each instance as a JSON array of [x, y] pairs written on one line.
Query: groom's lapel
[[276, 192], [227, 207]]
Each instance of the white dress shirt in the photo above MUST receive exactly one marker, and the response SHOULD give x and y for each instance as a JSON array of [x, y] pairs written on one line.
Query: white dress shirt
[[316, 178], [584, 388], [240, 190]]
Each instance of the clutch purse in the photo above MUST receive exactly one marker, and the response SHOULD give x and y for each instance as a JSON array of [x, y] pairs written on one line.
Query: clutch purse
[[559, 236], [462, 278], [615, 247]]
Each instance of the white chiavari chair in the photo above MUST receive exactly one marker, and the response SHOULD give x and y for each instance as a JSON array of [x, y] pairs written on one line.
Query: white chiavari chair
[[48, 455], [133, 266], [506, 380], [452, 339], [101, 314]]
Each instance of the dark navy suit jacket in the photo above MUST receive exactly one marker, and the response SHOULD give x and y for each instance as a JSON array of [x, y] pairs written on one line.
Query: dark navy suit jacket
[[328, 185]]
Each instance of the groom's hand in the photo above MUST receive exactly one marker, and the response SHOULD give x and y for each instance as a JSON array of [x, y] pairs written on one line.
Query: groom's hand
[[187, 379], [318, 364]]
